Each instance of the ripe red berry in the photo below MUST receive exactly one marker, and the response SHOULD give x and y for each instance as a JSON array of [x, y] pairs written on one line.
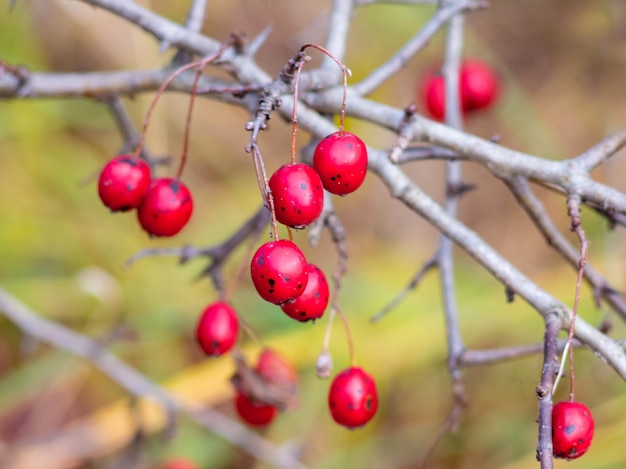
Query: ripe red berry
[[179, 463], [341, 161], [433, 95], [217, 329], [478, 89], [276, 369], [298, 194], [123, 183], [352, 398], [167, 207], [572, 429], [313, 301], [253, 413], [478, 84], [279, 271]]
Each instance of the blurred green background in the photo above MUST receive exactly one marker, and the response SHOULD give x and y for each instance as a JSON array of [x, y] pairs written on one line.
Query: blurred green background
[[563, 66]]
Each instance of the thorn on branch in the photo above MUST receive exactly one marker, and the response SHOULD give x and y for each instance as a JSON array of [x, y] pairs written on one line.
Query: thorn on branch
[[510, 294], [456, 190]]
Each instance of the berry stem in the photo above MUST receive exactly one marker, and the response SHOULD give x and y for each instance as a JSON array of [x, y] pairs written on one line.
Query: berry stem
[[346, 72], [294, 114], [201, 63], [261, 175], [573, 208]]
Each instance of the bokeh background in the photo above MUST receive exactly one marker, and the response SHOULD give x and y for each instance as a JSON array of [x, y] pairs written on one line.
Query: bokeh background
[[563, 69]]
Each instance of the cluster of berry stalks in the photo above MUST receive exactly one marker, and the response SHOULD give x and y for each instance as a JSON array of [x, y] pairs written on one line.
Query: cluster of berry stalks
[[279, 270]]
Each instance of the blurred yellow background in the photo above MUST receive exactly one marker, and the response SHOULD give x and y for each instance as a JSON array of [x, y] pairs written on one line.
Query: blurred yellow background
[[562, 65]]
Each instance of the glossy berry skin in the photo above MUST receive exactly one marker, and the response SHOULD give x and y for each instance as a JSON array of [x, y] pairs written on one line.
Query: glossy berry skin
[[298, 194], [276, 369], [167, 207], [279, 271], [179, 463], [478, 89], [352, 398], [479, 85], [123, 183], [217, 329], [313, 301], [255, 414], [572, 429], [341, 161]]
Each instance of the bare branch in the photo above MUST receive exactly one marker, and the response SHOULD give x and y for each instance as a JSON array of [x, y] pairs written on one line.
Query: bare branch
[[137, 384], [402, 57]]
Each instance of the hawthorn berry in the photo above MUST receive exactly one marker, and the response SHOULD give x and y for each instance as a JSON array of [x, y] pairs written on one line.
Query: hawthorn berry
[[276, 369], [341, 161], [179, 463], [479, 85], [124, 182], [279, 271], [352, 398], [254, 413], [478, 89], [433, 95], [572, 429], [298, 194], [314, 299], [167, 207], [217, 329]]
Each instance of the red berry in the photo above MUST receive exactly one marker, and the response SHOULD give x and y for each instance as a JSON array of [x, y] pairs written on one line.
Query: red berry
[[279, 271], [167, 207], [478, 89], [433, 95], [478, 85], [313, 301], [572, 429], [253, 413], [124, 182], [217, 329], [352, 398], [298, 194], [179, 463], [341, 161], [276, 369]]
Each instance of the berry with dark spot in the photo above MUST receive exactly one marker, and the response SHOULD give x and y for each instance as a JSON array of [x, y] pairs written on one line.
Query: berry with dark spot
[[167, 207], [254, 413], [313, 301], [279, 271], [572, 429], [217, 329], [341, 161], [298, 194], [124, 183], [352, 398]]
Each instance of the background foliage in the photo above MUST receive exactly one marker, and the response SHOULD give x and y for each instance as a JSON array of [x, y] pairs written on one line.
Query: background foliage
[[562, 65]]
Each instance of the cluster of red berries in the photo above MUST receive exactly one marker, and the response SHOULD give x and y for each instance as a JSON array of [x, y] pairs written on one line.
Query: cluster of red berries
[[572, 429], [282, 276], [478, 89], [164, 205]]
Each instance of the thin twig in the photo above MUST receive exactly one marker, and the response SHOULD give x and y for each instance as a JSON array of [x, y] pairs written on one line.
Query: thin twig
[[399, 61]]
